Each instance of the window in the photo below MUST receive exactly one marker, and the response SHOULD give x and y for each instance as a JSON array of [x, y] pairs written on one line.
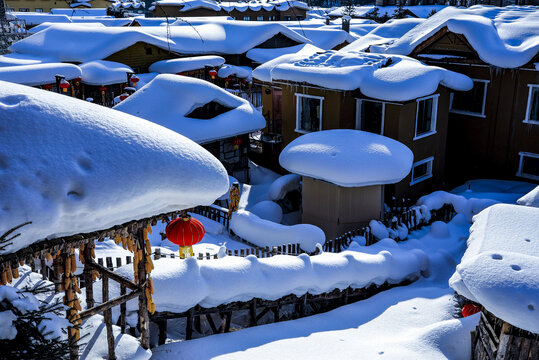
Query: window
[[272, 18], [532, 110], [148, 50], [299, 18], [259, 18], [308, 113], [24, 10], [246, 18], [470, 102], [288, 18], [370, 116], [39, 10], [425, 118], [529, 165], [208, 111], [422, 170]]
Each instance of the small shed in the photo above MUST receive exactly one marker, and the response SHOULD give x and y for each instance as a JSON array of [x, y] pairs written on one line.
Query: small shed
[[104, 80], [344, 173]]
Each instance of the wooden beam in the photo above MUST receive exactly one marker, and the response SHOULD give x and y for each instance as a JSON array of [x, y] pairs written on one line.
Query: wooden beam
[[144, 317], [162, 324], [123, 309], [109, 304], [107, 315], [87, 273], [113, 276]]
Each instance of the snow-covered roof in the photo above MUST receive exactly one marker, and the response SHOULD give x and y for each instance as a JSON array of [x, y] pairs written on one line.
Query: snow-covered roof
[[325, 39], [530, 199], [39, 74], [80, 12], [385, 33], [175, 66], [32, 18], [71, 166], [507, 37], [390, 78], [15, 59], [101, 72], [262, 56], [242, 72], [168, 99], [349, 158], [105, 20], [45, 25], [421, 11], [268, 5], [500, 268], [73, 43]]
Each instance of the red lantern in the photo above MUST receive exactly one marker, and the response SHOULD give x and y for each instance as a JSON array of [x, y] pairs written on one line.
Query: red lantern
[[77, 81], [64, 85], [185, 232], [180, 73], [470, 309], [47, 87], [237, 141], [135, 80], [227, 79], [102, 89], [212, 73], [123, 96]]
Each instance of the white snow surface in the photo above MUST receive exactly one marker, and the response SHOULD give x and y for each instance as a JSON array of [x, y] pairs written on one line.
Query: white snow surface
[[173, 97], [264, 233], [268, 210], [280, 5], [507, 37], [102, 72], [283, 185], [324, 38], [78, 43], [70, 166], [262, 56], [39, 74], [500, 268], [349, 158], [391, 78], [242, 72], [175, 66], [530, 199]]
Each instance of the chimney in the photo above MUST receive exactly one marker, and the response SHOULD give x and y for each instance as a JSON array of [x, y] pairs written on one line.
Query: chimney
[[346, 23]]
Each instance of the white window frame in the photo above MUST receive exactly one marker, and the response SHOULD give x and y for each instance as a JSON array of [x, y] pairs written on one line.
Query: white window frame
[[298, 121], [528, 108], [358, 113], [434, 116], [430, 162], [246, 18], [260, 18], [523, 154], [471, 113]]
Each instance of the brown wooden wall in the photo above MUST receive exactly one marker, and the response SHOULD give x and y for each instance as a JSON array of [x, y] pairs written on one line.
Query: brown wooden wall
[[174, 11], [138, 59]]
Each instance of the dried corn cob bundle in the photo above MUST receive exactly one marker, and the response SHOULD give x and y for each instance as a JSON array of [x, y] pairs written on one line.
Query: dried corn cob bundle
[[3, 277], [15, 272]]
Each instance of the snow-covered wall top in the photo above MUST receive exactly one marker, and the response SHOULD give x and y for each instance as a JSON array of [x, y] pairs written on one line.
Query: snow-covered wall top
[[39, 74], [175, 66], [507, 37], [325, 39], [500, 268], [421, 11], [76, 43], [348, 158], [70, 166], [262, 56], [101, 72], [530, 199], [391, 78], [268, 5], [167, 99]]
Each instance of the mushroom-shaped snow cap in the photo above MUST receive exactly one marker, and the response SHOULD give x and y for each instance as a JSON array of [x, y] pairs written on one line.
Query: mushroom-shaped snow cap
[[349, 158], [70, 166]]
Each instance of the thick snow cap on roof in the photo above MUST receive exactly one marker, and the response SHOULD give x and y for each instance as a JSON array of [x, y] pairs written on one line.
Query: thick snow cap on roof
[[280, 5], [77, 43], [500, 268], [506, 37], [391, 78], [262, 56], [168, 99], [39, 74], [174, 66], [70, 166], [349, 158], [325, 39], [101, 72]]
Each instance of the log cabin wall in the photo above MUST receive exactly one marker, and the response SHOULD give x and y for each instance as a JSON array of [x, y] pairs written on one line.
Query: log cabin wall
[[291, 14], [140, 56]]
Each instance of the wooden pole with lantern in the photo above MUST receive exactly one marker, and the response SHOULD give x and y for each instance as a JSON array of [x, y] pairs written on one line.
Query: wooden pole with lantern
[[185, 232], [234, 196]]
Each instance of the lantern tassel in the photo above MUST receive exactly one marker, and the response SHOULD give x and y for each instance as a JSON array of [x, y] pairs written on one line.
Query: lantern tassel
[[186, 252]]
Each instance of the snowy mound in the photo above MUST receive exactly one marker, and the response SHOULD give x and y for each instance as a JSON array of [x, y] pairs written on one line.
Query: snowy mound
[[39, 74], [530, 199], [500, 268], [100, 72], [70, 166], [175, 66], [348, 158], [170, 101], [395, 78], [506, 37]]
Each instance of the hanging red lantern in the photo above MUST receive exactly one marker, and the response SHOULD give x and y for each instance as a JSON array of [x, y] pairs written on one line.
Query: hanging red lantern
[[212, 73], [47, 87], [123, 96], [180, 73], [134, 80], [470, 309], [185, 232], [237, 141], [103, 89], [227, 79], [64, 85], [77, 81]]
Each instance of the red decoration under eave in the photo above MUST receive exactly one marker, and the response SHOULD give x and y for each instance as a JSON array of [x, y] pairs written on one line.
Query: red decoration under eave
[[470, 309], [64, 84], [47, 86], [185, 231], [134, 79], [212, 73], [102, 88], [237, 141]]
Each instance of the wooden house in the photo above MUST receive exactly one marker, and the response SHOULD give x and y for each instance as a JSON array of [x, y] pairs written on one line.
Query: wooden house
[[494, 128], [297, 101], [276, 10]]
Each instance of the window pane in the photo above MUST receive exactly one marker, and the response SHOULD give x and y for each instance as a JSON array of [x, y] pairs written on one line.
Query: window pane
[[530, 165], [424, 116], [309, 113], [470, 101], [534, 104], [420, 171], [371, 116]]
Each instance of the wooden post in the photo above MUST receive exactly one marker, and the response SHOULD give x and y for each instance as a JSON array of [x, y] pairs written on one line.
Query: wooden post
[[87, 274], [109, 263], [144, 317], [252, 312], [118, 262], [107, 315], [189, 324], [122, 309], [69, 300], [162, 324], [43, 268], [157, 256]]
